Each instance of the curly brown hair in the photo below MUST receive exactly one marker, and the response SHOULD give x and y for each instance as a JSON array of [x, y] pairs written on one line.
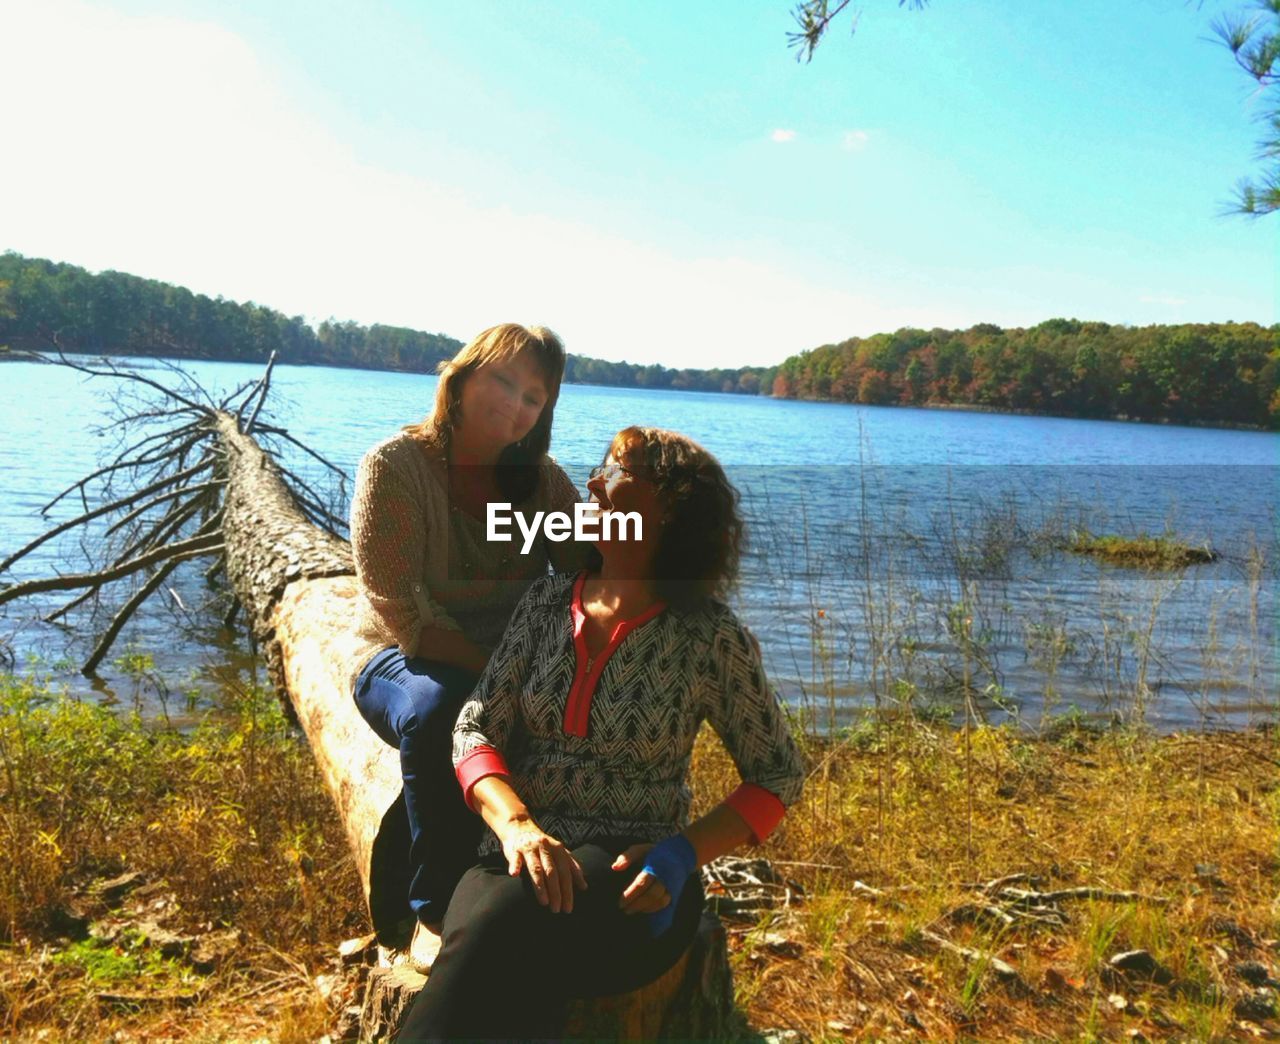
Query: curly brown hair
[[518, 467], [702, 541]]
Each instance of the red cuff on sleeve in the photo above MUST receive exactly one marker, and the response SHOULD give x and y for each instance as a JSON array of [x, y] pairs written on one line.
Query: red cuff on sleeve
[[481, 762], [759, 807]]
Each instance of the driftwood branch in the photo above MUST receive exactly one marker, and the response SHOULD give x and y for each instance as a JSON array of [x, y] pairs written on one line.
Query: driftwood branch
[[1007, 907], [1107, 895], [1003, 969]]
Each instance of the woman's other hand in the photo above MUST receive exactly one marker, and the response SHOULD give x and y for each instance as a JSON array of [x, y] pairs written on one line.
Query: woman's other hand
[[656, 889], [554, 871], [645, 893]]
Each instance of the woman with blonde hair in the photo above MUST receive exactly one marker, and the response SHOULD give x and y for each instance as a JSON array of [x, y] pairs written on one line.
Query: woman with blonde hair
[[435, 594], [575, 749]]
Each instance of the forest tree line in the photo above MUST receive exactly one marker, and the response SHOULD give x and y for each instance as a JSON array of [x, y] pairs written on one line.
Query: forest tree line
[[1203, 373], [121, 314], [1215, 373]]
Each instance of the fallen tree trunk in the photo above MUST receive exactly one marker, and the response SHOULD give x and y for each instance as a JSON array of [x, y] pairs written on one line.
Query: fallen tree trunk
[[297, 585]]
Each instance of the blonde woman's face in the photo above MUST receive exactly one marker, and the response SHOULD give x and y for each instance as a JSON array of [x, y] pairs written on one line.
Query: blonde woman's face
[[501, 402]]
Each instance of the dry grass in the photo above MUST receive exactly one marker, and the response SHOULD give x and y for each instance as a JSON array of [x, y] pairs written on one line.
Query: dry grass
[[234, 835], [921, 815], [231, 825]]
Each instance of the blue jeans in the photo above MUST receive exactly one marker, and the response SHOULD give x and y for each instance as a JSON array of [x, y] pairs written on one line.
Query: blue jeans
[[412, 705]]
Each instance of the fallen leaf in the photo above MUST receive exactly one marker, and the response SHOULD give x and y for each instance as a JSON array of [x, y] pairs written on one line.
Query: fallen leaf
[[1054, 979]]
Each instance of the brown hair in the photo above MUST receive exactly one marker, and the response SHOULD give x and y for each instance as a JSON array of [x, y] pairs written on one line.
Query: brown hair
[[517, 467], [701, 544]]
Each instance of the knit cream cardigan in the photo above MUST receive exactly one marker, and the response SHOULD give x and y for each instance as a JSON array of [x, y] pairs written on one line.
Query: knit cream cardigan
[[420, 561]]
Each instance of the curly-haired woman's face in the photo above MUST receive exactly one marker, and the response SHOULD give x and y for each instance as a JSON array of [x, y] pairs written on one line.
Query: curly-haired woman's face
[[501, 402], [619, 485]]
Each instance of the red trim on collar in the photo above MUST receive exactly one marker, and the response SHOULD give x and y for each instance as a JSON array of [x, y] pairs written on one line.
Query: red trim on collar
[[577, 709]]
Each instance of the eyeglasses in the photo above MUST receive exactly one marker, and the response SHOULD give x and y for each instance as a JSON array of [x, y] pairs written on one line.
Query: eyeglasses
[[608, 471]]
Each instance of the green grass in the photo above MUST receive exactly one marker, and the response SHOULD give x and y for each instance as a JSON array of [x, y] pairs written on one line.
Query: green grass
[[128, 959], [1142, 551]]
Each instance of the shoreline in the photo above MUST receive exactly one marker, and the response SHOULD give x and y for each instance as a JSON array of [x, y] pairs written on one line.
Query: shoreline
[[9, 354]]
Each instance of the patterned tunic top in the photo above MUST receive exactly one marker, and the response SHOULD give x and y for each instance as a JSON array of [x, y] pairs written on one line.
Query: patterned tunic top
[[601, 748]]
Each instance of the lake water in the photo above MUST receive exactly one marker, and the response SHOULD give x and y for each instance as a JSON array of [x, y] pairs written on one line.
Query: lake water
[[896, 555]]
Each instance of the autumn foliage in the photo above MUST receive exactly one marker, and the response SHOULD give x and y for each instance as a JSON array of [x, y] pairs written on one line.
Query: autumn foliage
[[1221, 373]]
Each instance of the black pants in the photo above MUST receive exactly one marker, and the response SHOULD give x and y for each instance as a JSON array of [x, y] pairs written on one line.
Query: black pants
[[507, 966]]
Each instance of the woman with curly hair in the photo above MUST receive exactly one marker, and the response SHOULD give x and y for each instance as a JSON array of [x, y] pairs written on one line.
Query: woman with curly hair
[[575, 750]]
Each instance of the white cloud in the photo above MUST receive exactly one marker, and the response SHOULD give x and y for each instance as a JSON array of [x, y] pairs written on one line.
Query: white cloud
[[165, 148], [782, 134], [854, 140]]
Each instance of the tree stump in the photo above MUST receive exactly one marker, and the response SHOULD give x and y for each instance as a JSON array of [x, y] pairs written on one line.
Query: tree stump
[[693, 1000]]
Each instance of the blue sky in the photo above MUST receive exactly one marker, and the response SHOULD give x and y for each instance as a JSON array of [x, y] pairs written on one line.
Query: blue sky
[[658, 181]]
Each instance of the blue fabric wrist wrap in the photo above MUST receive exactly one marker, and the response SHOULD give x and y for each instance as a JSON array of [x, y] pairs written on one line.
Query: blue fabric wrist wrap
[[671, 862]]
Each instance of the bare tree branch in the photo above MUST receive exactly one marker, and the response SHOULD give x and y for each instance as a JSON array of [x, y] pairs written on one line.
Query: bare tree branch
[[144, 526], [224, 405], [173, 494], [78, 600], [142, 594], [164, 528], [128, 609], [72, 581], [129, 375], [307, 496], [169, 435], [269, 429], [88, 516], [172, 521], [264, 385], [118, 465]]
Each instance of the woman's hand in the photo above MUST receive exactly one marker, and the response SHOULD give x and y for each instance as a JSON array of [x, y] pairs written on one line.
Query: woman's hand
[[554, 871], [656, 889], [645, 894]]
